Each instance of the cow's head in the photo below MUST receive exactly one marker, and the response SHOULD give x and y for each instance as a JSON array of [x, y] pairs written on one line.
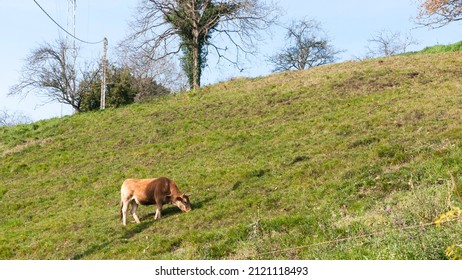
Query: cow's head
[[182, 202]]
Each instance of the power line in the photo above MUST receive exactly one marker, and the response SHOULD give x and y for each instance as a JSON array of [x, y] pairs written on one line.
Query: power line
[[63, 29]]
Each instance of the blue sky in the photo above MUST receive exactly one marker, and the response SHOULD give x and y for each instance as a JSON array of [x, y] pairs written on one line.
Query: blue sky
[[349, 24]]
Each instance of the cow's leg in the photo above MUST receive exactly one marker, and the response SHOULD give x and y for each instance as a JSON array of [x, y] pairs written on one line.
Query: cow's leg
[[124, 212], [133, 211], [158, 209]]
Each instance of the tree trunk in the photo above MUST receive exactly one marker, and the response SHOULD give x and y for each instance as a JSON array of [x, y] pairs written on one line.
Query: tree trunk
[[195, 67], [195, 51]]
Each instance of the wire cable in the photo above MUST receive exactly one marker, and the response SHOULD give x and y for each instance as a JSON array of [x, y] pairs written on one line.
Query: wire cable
[[345, 239], [63, 29]]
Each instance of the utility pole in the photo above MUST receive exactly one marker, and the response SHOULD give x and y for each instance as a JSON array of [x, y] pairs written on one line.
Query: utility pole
[[103, 78]]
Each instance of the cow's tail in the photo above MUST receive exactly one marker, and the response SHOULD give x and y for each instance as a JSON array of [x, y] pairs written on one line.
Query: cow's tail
[[121, 201], [121, 206]]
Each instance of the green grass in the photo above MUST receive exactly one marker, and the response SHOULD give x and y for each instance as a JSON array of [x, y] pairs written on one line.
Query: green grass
[[275, 165], [456, 47]]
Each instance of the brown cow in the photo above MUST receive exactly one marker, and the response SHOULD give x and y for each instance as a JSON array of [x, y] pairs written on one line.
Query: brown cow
[[157, 191]]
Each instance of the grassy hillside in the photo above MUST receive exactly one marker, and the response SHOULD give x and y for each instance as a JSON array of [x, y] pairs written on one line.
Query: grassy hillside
[[456, 47], [347, 161]]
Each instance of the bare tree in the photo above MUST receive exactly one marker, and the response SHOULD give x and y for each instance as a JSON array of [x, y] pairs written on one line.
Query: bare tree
[[163, 71], [307, 46], [50, 71], [388, 43], [437, 13], [191, 27], [13, 118]]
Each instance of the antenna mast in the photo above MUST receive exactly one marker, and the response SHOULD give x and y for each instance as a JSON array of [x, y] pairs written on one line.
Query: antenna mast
[[72, 6]]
